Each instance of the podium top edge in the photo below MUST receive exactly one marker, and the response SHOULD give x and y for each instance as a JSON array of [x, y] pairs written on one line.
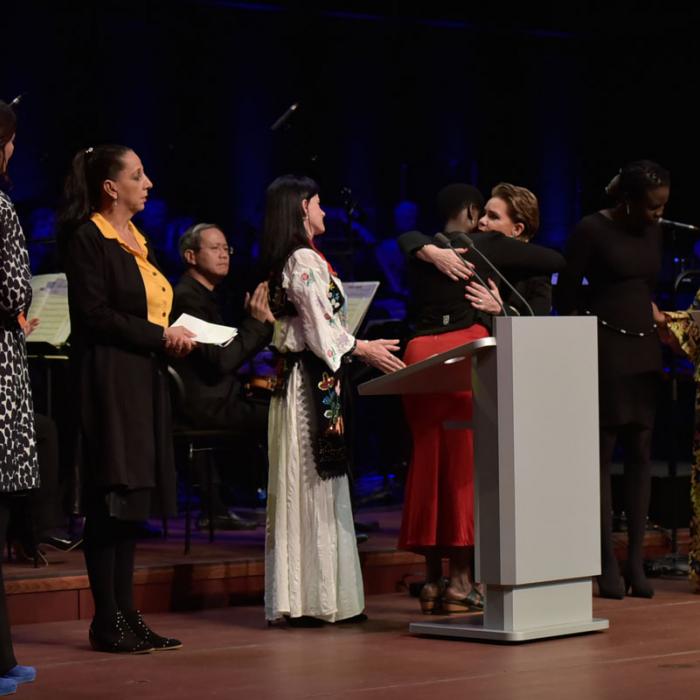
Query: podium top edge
[[461, 351]]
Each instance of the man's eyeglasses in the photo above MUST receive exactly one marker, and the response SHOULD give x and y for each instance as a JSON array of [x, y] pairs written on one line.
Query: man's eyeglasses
[[228, 249]]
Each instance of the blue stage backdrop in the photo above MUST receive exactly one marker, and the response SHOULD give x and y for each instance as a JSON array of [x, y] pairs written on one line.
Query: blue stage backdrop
[[393, 104]]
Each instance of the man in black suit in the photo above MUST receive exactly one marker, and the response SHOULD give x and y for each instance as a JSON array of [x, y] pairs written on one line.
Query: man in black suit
[[213, 389]]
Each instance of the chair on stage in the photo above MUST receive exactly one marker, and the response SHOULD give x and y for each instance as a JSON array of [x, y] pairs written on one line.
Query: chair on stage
[[199, 443]]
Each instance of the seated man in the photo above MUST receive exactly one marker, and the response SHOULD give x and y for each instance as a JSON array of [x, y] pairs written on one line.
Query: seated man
[[214, 398]]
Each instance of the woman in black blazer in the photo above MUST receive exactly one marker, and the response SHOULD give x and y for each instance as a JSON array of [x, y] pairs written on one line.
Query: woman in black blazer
[[119, 306]]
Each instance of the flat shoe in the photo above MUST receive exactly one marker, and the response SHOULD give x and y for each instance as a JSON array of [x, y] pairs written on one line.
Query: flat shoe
[[7, 686], [305, 621], [21, 674], [354, 620]]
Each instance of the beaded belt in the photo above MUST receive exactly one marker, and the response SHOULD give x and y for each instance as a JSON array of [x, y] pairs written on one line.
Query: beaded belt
[[624, 331]]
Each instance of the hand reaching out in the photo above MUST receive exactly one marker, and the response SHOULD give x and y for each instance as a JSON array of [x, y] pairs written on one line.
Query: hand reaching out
[[378, 354]]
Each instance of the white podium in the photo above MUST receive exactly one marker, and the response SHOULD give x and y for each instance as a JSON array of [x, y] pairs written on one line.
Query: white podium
[[536, 466]]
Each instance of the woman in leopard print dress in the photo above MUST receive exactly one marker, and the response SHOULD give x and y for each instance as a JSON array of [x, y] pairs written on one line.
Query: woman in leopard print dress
[[19, 469]]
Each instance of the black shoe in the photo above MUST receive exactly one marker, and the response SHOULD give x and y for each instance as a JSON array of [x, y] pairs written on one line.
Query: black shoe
[[60, 540], [304, 621], [637, 584], [29, 553], [611, 586], [354, 620], [144, 632], [227, 521], [117, 638], [361, 537]]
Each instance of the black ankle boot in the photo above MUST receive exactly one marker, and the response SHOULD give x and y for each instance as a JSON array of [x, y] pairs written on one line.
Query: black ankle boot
[[637, 584], [610, 583], [117, 637], [142, 630]]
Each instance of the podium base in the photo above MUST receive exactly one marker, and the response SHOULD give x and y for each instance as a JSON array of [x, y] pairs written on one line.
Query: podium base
[[461, 630]]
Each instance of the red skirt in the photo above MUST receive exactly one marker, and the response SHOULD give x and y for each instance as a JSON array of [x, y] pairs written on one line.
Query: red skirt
[[439, 500]]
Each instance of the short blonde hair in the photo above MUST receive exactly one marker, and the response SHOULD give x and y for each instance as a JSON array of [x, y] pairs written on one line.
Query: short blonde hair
[[522, 207]]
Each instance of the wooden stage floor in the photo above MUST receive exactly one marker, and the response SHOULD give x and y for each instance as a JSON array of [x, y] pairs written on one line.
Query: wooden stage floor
[[227, 572], [652, 650]]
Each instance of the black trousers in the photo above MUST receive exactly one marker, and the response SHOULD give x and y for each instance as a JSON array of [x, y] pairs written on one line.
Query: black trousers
[[7, 655]]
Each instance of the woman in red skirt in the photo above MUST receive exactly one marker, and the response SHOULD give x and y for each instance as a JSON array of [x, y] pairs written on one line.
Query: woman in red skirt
[[438, 516]]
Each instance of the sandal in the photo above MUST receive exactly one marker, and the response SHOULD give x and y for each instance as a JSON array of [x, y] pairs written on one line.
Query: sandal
[[472, 602], [430, 598]]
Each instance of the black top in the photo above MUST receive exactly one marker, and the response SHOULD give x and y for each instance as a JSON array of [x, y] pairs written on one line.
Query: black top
[[209, 371], [123, 431], [621, 267], [536, 290], [438, 303]]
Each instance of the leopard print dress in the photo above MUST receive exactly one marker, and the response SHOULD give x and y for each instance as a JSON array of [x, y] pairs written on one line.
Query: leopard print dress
[[19, 469]]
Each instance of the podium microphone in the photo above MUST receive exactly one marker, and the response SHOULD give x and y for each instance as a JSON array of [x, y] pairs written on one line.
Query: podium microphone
[[463, 239], [678, 224], [283, 119], [445, 242]]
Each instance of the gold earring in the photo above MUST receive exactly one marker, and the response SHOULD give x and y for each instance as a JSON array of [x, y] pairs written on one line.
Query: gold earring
[[114, 203]]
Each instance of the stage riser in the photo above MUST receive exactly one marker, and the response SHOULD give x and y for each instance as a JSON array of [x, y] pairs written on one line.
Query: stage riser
[[186, 588]]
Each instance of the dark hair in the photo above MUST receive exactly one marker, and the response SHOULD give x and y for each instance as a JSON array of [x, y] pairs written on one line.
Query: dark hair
[[454, 198], [283, 228], [8, 126], [636, 179], [82, 193]]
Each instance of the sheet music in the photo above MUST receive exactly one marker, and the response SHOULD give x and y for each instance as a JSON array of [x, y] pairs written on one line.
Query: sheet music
[[359, 296], [205, 332], [50, 306]]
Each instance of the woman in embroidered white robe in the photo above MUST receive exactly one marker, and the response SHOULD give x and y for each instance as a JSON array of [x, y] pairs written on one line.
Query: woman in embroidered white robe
[[312, 568]]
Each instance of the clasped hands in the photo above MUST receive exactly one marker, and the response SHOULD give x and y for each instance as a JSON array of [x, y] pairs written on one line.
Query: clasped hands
[[179, 341]]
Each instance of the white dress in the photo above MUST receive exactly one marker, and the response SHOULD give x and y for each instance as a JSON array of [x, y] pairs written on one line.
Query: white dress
[[311, 562]]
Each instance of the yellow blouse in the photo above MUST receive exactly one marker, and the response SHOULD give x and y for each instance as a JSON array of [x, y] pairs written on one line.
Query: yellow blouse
[[159, 293]]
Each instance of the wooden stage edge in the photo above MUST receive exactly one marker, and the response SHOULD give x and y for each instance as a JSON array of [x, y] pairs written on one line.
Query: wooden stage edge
[[229, 571]]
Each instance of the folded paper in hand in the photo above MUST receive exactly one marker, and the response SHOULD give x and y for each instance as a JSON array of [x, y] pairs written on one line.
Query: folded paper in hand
[[205, 332]]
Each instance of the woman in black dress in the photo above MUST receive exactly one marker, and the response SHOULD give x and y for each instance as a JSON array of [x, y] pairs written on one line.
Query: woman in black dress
[[618, 250], [119, 306]]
